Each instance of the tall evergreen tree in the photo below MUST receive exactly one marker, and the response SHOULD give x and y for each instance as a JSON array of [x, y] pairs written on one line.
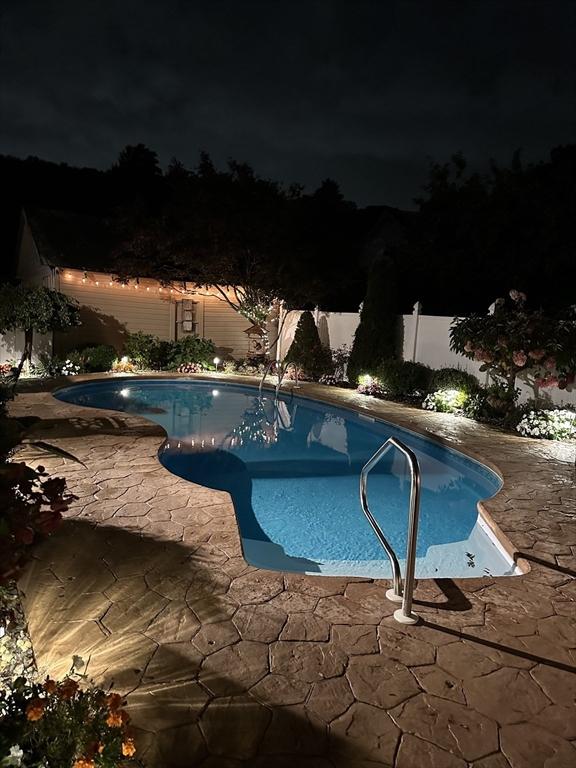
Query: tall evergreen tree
[[375, 339]]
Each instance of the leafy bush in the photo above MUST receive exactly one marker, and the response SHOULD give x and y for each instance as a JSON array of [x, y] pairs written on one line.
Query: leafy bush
[[30, 509], [553, 424], [514, 340], [446, 401], [35, 309], [367, 385], [60, 725], [454, 378], [248, 368], [46, 366], [307, 351], [190, 349], [340, 358], [151, 352], [98, 358], [147, 351], [403, 378], [123, 366]]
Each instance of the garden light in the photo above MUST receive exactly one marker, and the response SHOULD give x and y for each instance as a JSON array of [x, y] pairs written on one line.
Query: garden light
[[216, 362], [124, 359]]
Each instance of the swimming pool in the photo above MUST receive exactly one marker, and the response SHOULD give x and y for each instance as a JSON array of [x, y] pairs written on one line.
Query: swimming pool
[[292, 468]]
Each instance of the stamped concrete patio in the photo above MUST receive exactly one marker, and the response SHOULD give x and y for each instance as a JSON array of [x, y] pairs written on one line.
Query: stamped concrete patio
[[226, 665]]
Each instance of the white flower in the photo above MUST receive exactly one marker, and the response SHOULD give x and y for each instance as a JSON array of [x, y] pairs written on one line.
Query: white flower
[[14, 758]]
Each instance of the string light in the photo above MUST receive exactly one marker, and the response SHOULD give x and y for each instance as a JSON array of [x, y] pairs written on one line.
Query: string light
[[86, 279]]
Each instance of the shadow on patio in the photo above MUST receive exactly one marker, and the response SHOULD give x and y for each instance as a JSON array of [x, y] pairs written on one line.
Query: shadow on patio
[[156, 619]]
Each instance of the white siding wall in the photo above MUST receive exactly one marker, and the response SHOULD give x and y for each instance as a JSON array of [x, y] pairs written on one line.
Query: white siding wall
[[219, 322], [31, 268], [108, 312]]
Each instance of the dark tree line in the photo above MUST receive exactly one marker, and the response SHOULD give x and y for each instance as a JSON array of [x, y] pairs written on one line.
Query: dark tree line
[[474, 235]]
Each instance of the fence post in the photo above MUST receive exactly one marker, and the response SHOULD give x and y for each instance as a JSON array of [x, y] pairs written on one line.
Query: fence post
[[416, 312]]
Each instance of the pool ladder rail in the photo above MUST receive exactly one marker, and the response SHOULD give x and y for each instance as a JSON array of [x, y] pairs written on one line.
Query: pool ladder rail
[[401, 592], [283, 370]]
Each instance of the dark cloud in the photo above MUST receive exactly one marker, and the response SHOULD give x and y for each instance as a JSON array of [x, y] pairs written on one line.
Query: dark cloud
[[364, 92]]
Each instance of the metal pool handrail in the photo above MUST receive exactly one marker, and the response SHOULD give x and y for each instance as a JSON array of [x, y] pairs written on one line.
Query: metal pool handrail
[[266, 372], [281, 373], [399, 593]]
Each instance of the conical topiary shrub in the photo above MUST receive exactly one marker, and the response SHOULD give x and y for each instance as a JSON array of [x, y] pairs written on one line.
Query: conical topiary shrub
[[375, 339], [307, 351]]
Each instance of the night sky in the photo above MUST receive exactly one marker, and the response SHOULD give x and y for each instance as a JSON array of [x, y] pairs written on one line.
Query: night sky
[[364, 92]]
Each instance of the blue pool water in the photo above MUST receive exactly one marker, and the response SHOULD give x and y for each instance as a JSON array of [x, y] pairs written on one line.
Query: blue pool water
[[292, 468]]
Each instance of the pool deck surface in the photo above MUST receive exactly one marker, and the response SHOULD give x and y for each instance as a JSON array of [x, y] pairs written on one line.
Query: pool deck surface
[[226, 665]]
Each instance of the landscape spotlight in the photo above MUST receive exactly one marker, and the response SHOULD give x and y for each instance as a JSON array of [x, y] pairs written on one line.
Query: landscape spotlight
[[216, 362]]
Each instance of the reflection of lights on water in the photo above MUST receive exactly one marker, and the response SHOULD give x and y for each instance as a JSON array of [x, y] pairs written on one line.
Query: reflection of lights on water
[[125, 392], [215, 393]]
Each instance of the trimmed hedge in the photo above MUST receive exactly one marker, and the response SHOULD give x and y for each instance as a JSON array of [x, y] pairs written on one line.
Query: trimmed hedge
[[454, 378], [403, 378]]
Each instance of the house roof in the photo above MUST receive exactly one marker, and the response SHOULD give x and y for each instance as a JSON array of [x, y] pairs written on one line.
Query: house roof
[[74, 240]]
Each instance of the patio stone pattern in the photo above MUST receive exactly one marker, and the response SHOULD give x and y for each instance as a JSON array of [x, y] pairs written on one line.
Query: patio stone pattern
[[224, 664]]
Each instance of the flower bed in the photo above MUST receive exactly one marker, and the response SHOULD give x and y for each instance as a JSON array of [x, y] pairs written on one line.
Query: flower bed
[[548, 424]]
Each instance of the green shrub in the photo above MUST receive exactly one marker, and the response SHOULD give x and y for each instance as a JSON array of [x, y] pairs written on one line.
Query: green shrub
[[403, 378], [454, 378], [147, 351], [74, 362], [47, 367], [190, 349], [446, 401], [98, 358], [307, 351]]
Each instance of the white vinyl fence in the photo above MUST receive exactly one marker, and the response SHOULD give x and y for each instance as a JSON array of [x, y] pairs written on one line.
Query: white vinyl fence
[[425, 339]]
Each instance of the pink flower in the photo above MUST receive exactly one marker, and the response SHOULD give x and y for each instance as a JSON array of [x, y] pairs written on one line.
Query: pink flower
[[550, 363], [519, 358], [468, 347], [536, 354], [547, 381]]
